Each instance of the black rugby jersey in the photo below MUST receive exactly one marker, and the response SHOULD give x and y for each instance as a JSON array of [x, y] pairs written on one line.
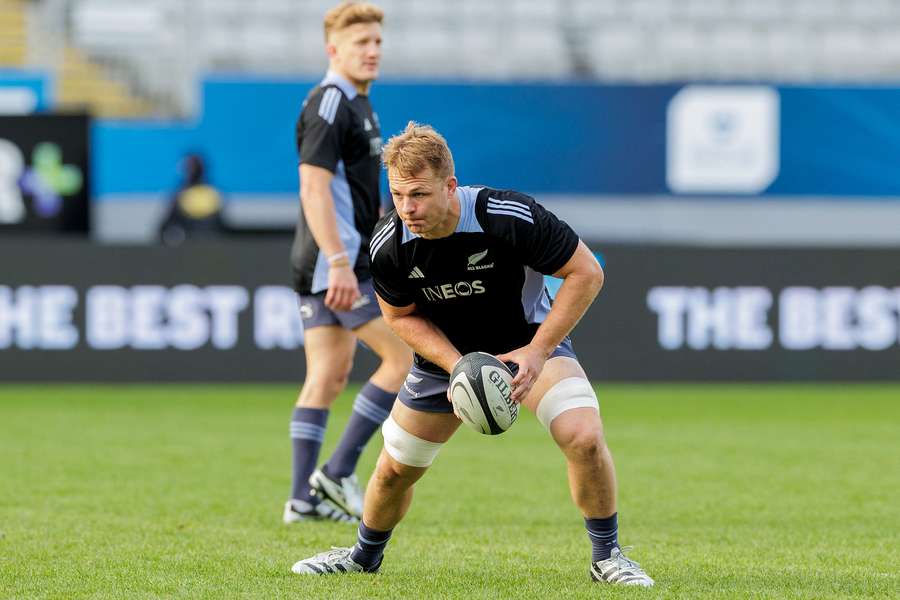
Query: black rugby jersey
[[483, 285], [337, 130]]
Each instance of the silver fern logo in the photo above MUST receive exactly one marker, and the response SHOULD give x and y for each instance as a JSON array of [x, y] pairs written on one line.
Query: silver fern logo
[[477, 258]]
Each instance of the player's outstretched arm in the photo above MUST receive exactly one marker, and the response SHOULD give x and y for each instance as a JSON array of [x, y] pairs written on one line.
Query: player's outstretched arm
[[318, 209], [420, 334], [582, 279]]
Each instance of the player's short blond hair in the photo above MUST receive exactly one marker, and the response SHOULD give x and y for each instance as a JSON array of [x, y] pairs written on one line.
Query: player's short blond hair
[[350, 13], [417, 148]]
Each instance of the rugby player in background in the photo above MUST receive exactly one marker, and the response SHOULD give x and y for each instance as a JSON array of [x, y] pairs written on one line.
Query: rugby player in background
[[339, 142]]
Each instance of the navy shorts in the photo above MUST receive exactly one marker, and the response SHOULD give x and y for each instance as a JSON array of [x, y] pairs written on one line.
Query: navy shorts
[[428, 392], [314, 313]]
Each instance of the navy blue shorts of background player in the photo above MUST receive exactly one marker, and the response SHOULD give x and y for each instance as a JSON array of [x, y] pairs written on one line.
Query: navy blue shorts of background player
[[314, 313], [427, 391]]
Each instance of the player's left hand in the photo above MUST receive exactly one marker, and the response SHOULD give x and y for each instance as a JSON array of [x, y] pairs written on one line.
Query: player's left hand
[[531, 362]]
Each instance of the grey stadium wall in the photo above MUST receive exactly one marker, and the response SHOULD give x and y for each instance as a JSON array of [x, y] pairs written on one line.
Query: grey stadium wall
[[222, 311]]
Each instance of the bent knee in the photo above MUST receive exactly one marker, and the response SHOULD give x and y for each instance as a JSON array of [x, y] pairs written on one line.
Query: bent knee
[[582, 442], [326, 386], [332, 377], [398, 362], [392, 473], [391, 377]]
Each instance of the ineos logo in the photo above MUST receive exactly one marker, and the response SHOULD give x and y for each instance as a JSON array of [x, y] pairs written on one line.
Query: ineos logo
[[453, 290]]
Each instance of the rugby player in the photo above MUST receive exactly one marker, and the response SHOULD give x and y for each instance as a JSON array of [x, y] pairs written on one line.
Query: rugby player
[[339, 142], [459, 269]]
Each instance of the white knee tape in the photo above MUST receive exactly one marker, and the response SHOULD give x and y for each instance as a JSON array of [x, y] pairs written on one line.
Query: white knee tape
[[571, 392], [406, 448]]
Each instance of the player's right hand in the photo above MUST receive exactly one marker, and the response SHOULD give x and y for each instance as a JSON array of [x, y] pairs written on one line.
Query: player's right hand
[[530, 361], [343, 288]]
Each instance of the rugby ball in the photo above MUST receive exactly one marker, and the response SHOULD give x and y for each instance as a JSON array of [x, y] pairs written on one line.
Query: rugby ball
[[480, 390]]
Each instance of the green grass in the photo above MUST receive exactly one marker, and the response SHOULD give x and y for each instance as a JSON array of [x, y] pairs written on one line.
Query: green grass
[[725, 492]]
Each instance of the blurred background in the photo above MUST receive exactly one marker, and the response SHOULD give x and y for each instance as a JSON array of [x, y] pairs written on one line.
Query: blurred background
[[734, 164]]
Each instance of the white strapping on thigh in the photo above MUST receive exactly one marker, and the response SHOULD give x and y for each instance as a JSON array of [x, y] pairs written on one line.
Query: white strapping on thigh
[[406, 448], [569, 393]]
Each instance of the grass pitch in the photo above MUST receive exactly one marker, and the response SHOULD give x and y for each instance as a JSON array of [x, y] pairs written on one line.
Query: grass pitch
[[725, 492]]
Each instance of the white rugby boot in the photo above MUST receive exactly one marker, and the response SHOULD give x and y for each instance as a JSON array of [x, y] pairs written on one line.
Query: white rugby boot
[[345, 494], [336, 560], [296, 511], [618, 569]]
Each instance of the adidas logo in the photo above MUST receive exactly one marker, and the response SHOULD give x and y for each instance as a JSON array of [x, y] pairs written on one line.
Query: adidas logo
[[416, 273]]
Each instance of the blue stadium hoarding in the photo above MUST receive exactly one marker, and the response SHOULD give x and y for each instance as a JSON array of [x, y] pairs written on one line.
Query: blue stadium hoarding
[[553, 138], [24, 91]]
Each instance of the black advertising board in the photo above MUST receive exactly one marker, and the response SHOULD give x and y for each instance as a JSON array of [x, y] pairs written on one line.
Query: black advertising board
[[44, 173], [744, 314], [221, 311], [201, 312]]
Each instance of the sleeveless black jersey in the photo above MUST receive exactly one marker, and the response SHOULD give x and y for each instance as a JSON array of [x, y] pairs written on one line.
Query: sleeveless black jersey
[[483, 285], [337, 130]]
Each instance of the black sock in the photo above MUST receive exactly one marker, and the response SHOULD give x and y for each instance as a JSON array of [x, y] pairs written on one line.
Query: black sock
[[604, 536], [307, 433], [369, 547], [371, 407]]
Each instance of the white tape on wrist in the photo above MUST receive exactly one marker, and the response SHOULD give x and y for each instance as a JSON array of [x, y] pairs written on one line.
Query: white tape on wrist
[[337, 256]]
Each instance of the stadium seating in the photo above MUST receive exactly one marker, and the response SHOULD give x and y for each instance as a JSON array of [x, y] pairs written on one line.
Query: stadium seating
[[145, 42], [13, 34]]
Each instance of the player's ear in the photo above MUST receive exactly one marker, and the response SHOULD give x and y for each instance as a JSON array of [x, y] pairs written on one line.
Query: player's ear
[[452, 184], [331, 46]]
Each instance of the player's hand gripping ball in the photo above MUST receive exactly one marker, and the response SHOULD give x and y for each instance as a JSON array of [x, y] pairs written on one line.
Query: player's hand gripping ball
[[480, 390]]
